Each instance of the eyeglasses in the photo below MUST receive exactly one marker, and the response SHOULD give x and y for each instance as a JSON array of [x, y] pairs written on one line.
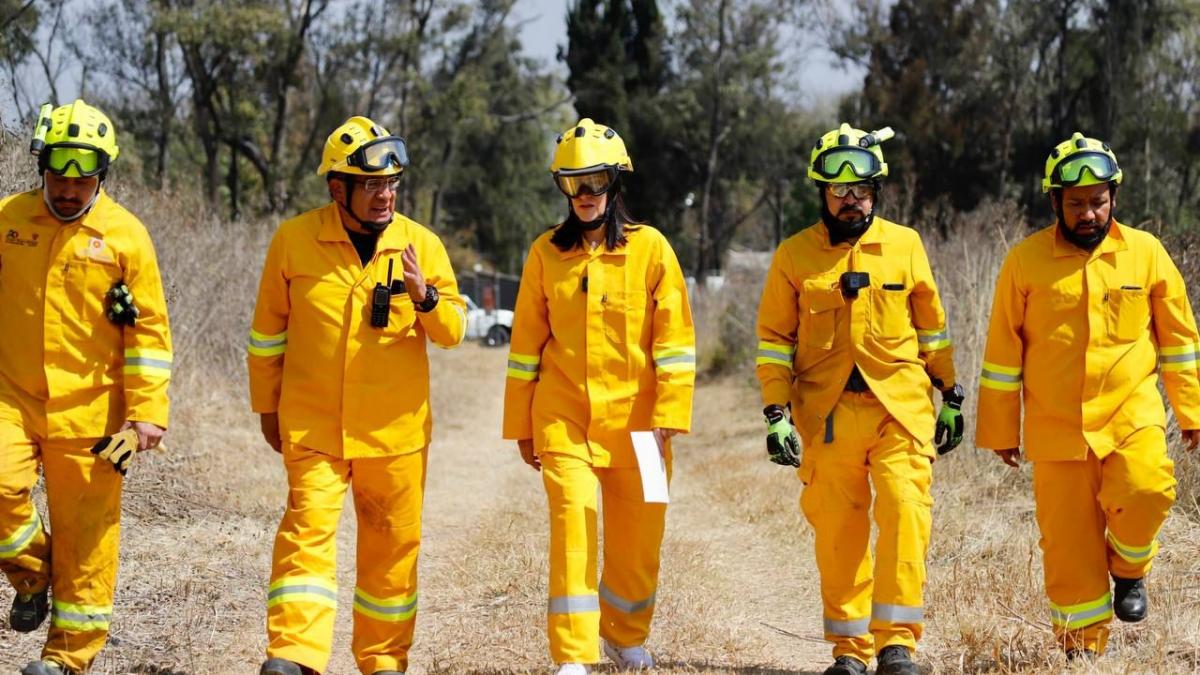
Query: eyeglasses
[[380, 154], [859, 190], [832, 162], [377, 185], [1100, 165], [60, 158], [592, 183]]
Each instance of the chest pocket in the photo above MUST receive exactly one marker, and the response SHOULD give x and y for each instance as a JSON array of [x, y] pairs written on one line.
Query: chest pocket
[[890, 317], [1128, 313], [87, 283], [819, 305], [402, 319]]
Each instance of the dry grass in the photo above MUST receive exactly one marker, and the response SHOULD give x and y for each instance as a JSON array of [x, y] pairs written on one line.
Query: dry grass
[[739, 589]]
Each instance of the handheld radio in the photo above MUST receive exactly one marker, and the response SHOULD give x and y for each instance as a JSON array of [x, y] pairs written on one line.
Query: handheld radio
[[381, 301]]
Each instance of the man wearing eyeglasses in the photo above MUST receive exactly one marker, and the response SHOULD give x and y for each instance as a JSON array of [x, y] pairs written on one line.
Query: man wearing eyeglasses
[[1088, 315], [84, 365], [350, 295], [852, 340]]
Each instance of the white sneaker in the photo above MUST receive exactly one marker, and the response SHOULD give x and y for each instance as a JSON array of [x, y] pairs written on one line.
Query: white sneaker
[[572, 669], [629, 658]]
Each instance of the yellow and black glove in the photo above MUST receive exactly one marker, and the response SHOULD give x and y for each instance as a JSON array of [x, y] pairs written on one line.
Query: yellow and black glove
[[118, 448]]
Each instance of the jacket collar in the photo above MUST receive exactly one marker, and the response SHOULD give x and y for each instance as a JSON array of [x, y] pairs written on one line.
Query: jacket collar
[[582, 250], [394, 238], [1114, 241], [94, 220]]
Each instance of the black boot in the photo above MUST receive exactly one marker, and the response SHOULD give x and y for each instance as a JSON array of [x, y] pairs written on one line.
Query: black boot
[[846, 665], [29, 611], [1129, 599], [894, 660], [278, 666]]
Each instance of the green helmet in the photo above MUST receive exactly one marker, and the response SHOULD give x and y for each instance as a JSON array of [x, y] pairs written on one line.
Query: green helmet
[[849, 155], [1080, 161]]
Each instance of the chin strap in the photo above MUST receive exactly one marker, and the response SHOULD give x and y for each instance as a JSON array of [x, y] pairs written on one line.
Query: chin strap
[[82, 212], [368, 225]]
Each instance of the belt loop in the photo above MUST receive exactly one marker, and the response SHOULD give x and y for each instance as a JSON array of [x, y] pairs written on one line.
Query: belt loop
[[829, 428]]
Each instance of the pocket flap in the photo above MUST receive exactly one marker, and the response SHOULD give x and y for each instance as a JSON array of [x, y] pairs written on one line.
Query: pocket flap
[[823, 295]]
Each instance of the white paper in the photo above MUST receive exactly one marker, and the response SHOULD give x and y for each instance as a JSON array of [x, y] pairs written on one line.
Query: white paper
[[652, 466]]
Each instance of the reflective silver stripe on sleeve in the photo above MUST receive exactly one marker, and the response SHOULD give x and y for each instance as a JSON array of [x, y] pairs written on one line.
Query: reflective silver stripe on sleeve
[[999, 377], [627, 606], [682, 358], [573, 604]]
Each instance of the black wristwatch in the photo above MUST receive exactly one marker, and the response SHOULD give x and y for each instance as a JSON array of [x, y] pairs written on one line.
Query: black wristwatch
[[430, 301], [953, 396]]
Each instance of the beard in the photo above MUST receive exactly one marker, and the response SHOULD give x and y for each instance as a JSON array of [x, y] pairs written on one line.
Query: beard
[[1088, 242], [845, 230]]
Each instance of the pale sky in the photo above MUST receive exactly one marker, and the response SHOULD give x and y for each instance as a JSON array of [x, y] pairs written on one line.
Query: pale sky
[[544, 27]]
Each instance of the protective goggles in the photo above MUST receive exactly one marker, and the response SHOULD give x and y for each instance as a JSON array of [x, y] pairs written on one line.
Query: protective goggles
[[593, 183], [61, 158], [376, 185], [380, 154], [1070, 171], [832, 162], [859, 190]]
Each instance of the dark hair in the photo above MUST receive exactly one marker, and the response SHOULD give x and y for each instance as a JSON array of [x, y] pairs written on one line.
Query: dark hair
[[618, 221]]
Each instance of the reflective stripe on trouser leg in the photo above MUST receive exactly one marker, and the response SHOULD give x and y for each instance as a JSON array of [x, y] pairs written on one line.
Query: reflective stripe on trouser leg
[[302, 595], [84, 499], [1137, 489], [835, 501], [902, 473], [573, 609], [633, 532], [387, 500], [1075, 555], [24, 544]]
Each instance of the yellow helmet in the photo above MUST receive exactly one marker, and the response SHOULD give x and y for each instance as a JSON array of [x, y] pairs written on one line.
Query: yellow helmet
[[74, 140], [588, 147], [849, 155], [1065, 167], [363, 148]]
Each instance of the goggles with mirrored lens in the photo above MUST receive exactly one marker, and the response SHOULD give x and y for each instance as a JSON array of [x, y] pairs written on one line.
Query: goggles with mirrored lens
[[1071, 170], [860, 190], [862, 163], [594, 183], [73, 160], [380, 154]]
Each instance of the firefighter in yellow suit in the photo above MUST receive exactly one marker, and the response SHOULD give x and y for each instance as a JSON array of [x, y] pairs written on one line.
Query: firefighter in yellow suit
[[602, 345], [1088, 314], [852, 337], [86, 353], [350, 294]]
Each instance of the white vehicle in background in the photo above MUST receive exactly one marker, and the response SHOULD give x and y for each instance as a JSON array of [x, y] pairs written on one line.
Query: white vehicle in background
[[493, 328]]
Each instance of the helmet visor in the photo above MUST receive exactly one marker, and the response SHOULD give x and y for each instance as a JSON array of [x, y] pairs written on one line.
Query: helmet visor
[[862, 163], [381, 154], [1073, 170], [595, 183], [74, 161]]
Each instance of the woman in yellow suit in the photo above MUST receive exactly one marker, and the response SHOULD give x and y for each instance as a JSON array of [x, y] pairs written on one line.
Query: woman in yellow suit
[[602, 346]]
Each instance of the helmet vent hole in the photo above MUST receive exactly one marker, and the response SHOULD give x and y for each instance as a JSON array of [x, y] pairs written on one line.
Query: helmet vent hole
[[73, 130], [609, 133], [843, 139], [579, 132], [559, 139], [1054, 153], [101, 130], [347, 139], [1081, 143]]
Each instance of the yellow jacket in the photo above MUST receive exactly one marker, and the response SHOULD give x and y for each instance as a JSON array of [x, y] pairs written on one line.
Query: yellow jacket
[[811, 336], [341, 386], [1080, 337], [590, 364], [66, 371]]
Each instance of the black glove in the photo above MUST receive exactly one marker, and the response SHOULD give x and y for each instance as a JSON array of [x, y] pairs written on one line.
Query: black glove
[[783, 446]]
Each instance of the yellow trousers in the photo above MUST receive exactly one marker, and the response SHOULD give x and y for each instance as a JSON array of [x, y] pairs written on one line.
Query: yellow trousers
[[620, 607], [302, 598], [84, 499], [1100, 517], [868, 606]]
